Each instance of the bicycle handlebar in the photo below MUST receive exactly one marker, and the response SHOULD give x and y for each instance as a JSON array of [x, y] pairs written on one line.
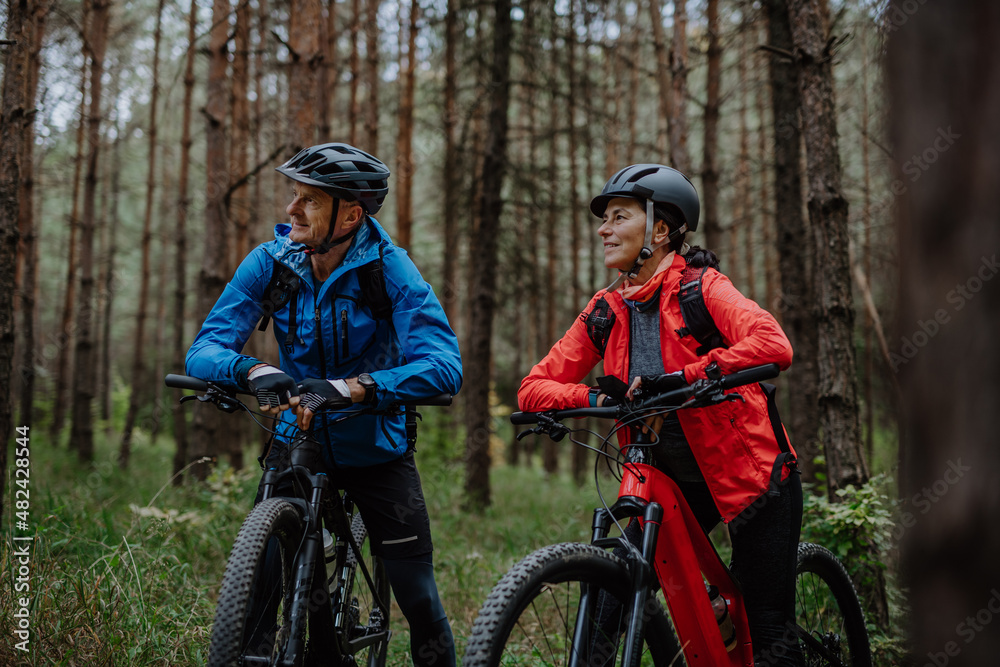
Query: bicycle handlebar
[[196, 384], [676, 397]]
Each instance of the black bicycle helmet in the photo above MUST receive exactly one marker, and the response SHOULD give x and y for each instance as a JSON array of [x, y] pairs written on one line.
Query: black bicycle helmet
[[656, 182], [342, 171]]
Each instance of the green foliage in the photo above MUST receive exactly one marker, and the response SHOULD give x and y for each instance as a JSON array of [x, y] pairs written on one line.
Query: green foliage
[[125, 568], [858, 528]]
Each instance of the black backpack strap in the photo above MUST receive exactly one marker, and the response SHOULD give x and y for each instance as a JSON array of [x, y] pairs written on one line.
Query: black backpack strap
[[282, 288], [786, 458], [599, 322], [371, 277], [698, 321]]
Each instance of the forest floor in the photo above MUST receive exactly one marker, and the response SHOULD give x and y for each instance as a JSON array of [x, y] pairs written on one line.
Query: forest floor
[[125, 568]]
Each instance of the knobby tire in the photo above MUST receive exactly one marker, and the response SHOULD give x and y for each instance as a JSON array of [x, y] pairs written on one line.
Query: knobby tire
[[829, 621], [236, 637], [530, 616]]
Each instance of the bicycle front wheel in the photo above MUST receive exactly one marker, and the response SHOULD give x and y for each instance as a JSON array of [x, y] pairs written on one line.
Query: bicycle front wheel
[[364, 613], [252, 617], [565, 604], [829, 621]]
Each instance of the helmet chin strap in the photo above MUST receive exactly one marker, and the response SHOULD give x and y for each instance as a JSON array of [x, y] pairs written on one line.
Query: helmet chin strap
[[329, 243], [648, 248]]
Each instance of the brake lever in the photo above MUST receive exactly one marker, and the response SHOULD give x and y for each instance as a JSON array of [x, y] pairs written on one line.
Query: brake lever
[[547, 426], [221, 401]]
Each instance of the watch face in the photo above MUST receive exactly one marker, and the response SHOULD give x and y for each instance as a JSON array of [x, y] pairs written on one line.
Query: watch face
[[365, 380]]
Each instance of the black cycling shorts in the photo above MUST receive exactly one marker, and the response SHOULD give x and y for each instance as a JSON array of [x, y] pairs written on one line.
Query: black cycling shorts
[[391, 501]]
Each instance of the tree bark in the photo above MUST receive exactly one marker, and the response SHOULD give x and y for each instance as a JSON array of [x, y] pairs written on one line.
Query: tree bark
[[66, 336], [354, 105], [742, 222], [452, 182], [26, 198], [665, 98], [827, 206], [303, 72], [105, 384], [945, 109], [82, 430], [793, 245], [139, 377], [210, 431], [14, 118], [372, 74], [180, 249], [405, 164], [710, 162], [677, 124], [477, 479]]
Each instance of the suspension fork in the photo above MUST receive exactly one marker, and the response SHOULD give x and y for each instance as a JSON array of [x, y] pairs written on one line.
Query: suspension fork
[[305, 569]]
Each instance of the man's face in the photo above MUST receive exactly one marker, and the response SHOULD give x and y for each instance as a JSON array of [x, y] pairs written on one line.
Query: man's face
[[309, 214]]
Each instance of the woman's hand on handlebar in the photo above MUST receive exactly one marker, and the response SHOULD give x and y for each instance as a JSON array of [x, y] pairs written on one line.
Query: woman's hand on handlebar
[[655, 384]]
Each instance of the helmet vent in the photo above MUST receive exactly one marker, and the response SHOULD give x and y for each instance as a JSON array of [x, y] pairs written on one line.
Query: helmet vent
[[641, 174]]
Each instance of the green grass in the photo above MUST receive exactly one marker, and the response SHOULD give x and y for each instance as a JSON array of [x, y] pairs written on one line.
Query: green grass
[[125, 568]]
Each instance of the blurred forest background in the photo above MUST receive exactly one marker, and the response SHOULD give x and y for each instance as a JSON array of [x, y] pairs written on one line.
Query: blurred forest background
[[139, 143]]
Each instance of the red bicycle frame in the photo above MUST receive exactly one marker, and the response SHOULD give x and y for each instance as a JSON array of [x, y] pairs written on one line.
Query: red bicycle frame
[[684, 555]]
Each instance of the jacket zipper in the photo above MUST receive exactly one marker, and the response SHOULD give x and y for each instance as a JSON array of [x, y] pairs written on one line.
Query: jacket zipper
[[345, 350]]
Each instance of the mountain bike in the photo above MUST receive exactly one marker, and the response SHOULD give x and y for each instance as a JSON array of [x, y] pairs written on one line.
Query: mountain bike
[[301, 585], [579, 604]]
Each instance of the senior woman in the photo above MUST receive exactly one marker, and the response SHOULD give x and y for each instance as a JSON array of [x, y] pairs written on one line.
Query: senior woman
[[730, 461]]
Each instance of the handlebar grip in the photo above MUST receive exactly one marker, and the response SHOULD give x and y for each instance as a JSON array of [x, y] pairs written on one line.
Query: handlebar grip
[[749, 376], [522, 418], [440, 399], [185, 382]]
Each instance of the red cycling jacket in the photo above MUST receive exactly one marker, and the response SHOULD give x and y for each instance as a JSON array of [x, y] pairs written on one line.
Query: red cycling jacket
[[734, 442]]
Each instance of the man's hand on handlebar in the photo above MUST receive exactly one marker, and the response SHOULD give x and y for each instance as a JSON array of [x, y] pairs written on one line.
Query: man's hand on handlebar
[[320, 394], [275, 390]]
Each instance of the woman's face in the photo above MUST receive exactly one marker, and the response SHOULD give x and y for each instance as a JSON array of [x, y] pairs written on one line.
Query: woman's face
[[623, 231]]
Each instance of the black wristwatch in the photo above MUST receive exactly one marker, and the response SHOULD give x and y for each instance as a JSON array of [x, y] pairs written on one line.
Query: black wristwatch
[[368, 384]]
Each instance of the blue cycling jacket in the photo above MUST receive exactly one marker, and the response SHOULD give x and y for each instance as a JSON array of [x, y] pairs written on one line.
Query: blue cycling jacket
[[415, 355]]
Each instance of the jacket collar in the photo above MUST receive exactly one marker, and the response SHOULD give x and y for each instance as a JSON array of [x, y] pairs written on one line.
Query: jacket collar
[[363, 249]]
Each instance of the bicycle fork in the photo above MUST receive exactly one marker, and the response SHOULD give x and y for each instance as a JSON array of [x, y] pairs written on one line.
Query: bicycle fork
[[642, 577], [305, 572]]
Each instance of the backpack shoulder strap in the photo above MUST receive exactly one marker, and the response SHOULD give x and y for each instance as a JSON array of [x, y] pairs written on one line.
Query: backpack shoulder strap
[[282, 288], [599, 322], [371, 277], [698, 321]]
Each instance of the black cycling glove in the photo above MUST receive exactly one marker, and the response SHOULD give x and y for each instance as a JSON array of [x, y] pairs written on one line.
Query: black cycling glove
[[272, 386], [658, 384], [319, 394]]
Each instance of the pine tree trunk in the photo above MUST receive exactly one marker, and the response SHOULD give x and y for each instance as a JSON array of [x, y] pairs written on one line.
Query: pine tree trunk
[[159, 353], [239, 153], [451, 180], [82, 430], [827, 207], [180, 250], [140, 379], [64, 379], [26, 198], [372, 74], [742, 213], [209, 427], [793, 245], [354, 104], [14, 118], [404, 144], [666, 100], [946, 110], [866, 259], [306, 59], [710, 162], [677, 124], [477, 471], [105, 386], [550, 449]]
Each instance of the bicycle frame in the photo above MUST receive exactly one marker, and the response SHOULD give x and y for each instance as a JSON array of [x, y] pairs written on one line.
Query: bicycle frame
[[683, 553], [307, 577]]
